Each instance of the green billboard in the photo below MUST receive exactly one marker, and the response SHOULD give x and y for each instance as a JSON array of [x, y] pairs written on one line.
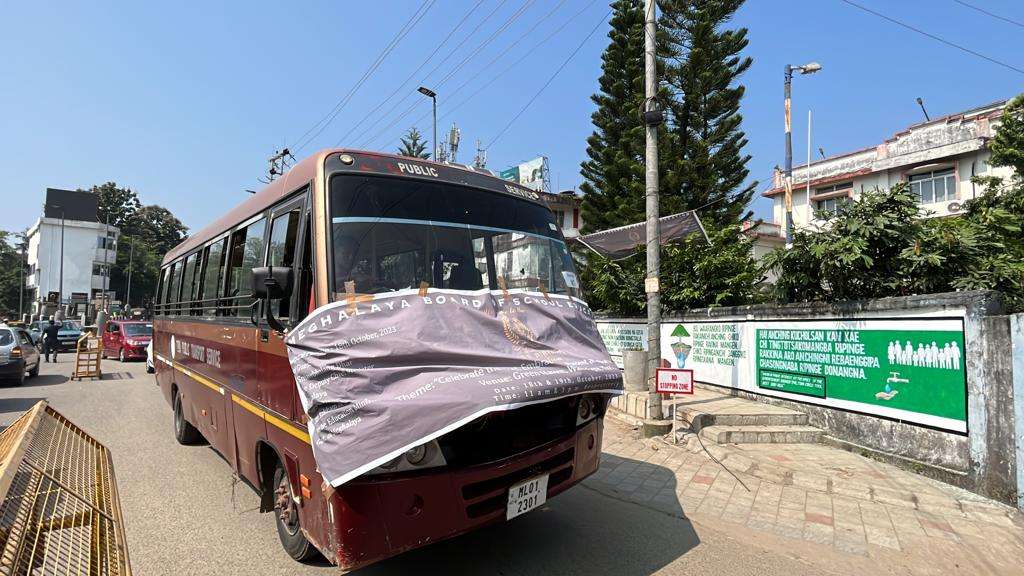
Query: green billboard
[[919, 371]]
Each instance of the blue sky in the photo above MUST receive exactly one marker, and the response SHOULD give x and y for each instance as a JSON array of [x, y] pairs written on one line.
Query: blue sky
[[185, 103]]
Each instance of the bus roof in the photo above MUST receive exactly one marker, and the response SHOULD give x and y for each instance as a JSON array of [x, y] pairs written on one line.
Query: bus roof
[[304, 172]]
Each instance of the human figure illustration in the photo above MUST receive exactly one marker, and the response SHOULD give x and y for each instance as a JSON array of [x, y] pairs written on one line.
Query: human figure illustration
[[955, 355], [908, 354], [892, 352], [921, 354], [933, 355], [946, 357]]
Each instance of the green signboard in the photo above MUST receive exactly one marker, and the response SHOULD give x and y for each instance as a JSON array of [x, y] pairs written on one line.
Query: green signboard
[[919, 371]]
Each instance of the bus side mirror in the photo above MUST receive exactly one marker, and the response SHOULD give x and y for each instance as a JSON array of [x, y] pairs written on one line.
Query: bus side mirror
[[272, 282]]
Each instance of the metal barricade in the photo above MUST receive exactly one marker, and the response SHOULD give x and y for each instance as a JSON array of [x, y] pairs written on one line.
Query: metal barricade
[[59, 508]]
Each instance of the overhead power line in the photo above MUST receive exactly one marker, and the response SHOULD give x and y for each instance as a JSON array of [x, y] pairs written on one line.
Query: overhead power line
[[382, 103], [934, 37], [486, 42], [449, 110], [550, 80], [987, 13], [376, 121], [324, 122]]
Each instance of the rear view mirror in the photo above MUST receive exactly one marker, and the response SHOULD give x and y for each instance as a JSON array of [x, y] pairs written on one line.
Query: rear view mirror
[[272, 282]]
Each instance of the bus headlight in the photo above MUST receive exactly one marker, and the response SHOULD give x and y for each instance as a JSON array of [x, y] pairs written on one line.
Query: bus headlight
[[589, 407], [426, 455], [416, 455]]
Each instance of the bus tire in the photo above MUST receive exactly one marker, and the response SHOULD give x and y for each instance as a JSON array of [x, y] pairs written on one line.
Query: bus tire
[[286, 515], [184, 432]]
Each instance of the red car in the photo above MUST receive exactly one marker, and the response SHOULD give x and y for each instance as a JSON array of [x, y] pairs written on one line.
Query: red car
[[126, 339]]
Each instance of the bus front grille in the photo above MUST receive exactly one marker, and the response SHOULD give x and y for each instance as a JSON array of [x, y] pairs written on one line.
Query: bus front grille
[[488, 496], [59, 509]]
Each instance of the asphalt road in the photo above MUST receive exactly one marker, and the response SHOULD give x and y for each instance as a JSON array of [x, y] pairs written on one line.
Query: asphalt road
[[184, 515]]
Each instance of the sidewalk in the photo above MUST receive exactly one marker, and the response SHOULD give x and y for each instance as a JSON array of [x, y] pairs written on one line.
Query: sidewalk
[[827, 499]]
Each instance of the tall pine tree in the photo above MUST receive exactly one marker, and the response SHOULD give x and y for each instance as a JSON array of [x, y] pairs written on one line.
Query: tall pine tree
[[613, 176], [703, 63], [413, 145]]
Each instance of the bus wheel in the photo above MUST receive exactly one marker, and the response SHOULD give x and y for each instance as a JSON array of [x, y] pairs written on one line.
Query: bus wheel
[[184, 432], [287, 514]]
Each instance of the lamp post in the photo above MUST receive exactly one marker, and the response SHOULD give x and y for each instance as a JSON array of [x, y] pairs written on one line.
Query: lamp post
[[60, 278], [809, 68], [105, 272], [433, 99]]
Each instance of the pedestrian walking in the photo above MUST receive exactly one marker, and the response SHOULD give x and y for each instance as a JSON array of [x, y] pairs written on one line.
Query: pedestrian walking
[[50, 340]]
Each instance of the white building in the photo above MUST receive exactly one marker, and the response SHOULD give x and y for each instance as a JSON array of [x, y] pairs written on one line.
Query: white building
[[87, 245], [566, 207], [938, 158]]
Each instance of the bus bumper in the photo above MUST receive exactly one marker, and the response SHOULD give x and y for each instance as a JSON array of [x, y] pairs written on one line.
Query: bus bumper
[[376, 519]]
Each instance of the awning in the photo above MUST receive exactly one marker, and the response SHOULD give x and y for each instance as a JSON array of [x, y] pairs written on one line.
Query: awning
[[622, 241]]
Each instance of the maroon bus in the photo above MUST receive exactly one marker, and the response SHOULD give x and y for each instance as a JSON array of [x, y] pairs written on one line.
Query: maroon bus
[[223, 366]]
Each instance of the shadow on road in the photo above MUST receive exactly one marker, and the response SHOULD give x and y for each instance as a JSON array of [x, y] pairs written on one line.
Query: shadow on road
[[12, 408], [582, 531], [45, 380]]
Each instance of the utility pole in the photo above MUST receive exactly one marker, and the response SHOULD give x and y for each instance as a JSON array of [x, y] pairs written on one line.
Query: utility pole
[[652, 118], [128, 291], [21, 291], [60, 281], [809, 68], [105, 270]]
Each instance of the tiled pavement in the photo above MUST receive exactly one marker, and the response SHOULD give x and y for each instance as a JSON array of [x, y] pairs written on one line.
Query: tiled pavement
[[816, 494]]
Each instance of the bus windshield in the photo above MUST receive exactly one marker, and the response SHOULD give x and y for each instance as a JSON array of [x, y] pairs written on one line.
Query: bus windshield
[[392, 234]]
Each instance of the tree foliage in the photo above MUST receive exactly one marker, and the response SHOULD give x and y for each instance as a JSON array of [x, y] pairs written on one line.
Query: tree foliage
[[701, 163], [879, 246], [413, 145], [703, 63], [147, 233], [12, 265], [613, 175], [695, 273]]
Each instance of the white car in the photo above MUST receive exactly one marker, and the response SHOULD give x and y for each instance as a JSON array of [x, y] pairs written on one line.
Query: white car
[[149, 358]]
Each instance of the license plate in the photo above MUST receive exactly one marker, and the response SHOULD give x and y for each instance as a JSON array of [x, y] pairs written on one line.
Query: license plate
[[526, 496]]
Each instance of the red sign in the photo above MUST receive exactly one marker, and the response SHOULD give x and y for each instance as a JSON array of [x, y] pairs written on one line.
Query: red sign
[[673, 381]]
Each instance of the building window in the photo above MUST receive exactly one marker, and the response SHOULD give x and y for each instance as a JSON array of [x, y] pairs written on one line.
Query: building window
[[560, 218], [106, 242], [830, 204], [936, 186], [839, 194], [100, 269]]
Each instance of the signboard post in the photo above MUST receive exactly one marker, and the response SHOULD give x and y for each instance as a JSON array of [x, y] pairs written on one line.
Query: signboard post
[[670, 381]]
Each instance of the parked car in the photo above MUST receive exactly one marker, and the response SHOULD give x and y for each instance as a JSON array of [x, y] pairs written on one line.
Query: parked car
[[18, 354], [126, 339], [67, 337], [150, 368]]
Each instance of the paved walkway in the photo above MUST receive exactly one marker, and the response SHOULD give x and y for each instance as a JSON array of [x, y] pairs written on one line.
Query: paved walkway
[[826, 497]]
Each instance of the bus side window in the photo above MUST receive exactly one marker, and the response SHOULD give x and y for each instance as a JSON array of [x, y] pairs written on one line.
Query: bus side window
[[172, 292], [246, 251], [187, 282], [213, 277], [160, 290], [281, 251]]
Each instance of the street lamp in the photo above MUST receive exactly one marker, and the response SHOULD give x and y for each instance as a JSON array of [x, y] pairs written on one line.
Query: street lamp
[[809, 68], [433, 98], [60, 281]]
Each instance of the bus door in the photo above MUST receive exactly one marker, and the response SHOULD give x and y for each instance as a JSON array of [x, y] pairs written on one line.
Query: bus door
[[276, 385], [239, 341]]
